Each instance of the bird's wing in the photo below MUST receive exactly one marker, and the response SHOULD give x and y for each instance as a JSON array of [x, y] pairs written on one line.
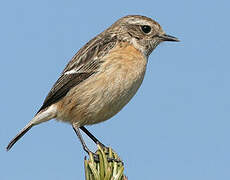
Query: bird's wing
[[85, 63]]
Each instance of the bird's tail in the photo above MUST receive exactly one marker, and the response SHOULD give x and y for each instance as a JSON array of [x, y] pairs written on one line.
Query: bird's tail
[[19, 135], [42, 116]]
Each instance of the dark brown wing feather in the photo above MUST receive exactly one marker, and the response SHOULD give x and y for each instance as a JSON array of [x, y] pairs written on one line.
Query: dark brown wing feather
[[86, 62]]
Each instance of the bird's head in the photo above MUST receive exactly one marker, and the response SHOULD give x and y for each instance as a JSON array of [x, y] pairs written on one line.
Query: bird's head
[[143, 32]]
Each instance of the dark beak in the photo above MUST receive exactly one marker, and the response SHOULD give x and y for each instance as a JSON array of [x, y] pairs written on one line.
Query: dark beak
[[166, 37]]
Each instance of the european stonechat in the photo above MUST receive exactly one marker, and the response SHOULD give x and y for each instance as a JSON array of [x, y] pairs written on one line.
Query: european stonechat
[[102, 77]]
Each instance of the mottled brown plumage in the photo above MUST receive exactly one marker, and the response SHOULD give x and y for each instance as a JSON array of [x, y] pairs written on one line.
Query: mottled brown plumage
[[85, 64], [102, 77]]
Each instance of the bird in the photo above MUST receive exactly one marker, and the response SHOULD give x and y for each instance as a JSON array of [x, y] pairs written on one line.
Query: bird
[[102, 77]]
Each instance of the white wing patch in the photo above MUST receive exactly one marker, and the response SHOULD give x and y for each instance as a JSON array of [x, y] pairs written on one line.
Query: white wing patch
[[73, 71], [84, 68]]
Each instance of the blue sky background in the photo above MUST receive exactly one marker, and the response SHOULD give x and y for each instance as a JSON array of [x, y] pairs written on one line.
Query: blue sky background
[[175, 128]]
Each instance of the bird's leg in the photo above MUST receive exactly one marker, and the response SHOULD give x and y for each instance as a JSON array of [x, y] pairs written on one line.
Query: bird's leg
[[95, 140], [86, 149]]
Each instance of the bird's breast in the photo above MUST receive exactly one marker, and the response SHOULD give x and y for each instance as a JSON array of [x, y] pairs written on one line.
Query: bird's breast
[[106, 92]]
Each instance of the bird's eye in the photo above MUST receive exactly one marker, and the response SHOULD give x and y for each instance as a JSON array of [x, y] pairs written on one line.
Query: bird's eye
[[146, 29]]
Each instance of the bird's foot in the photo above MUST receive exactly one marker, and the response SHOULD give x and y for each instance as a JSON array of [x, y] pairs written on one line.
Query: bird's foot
[[103, 153]]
